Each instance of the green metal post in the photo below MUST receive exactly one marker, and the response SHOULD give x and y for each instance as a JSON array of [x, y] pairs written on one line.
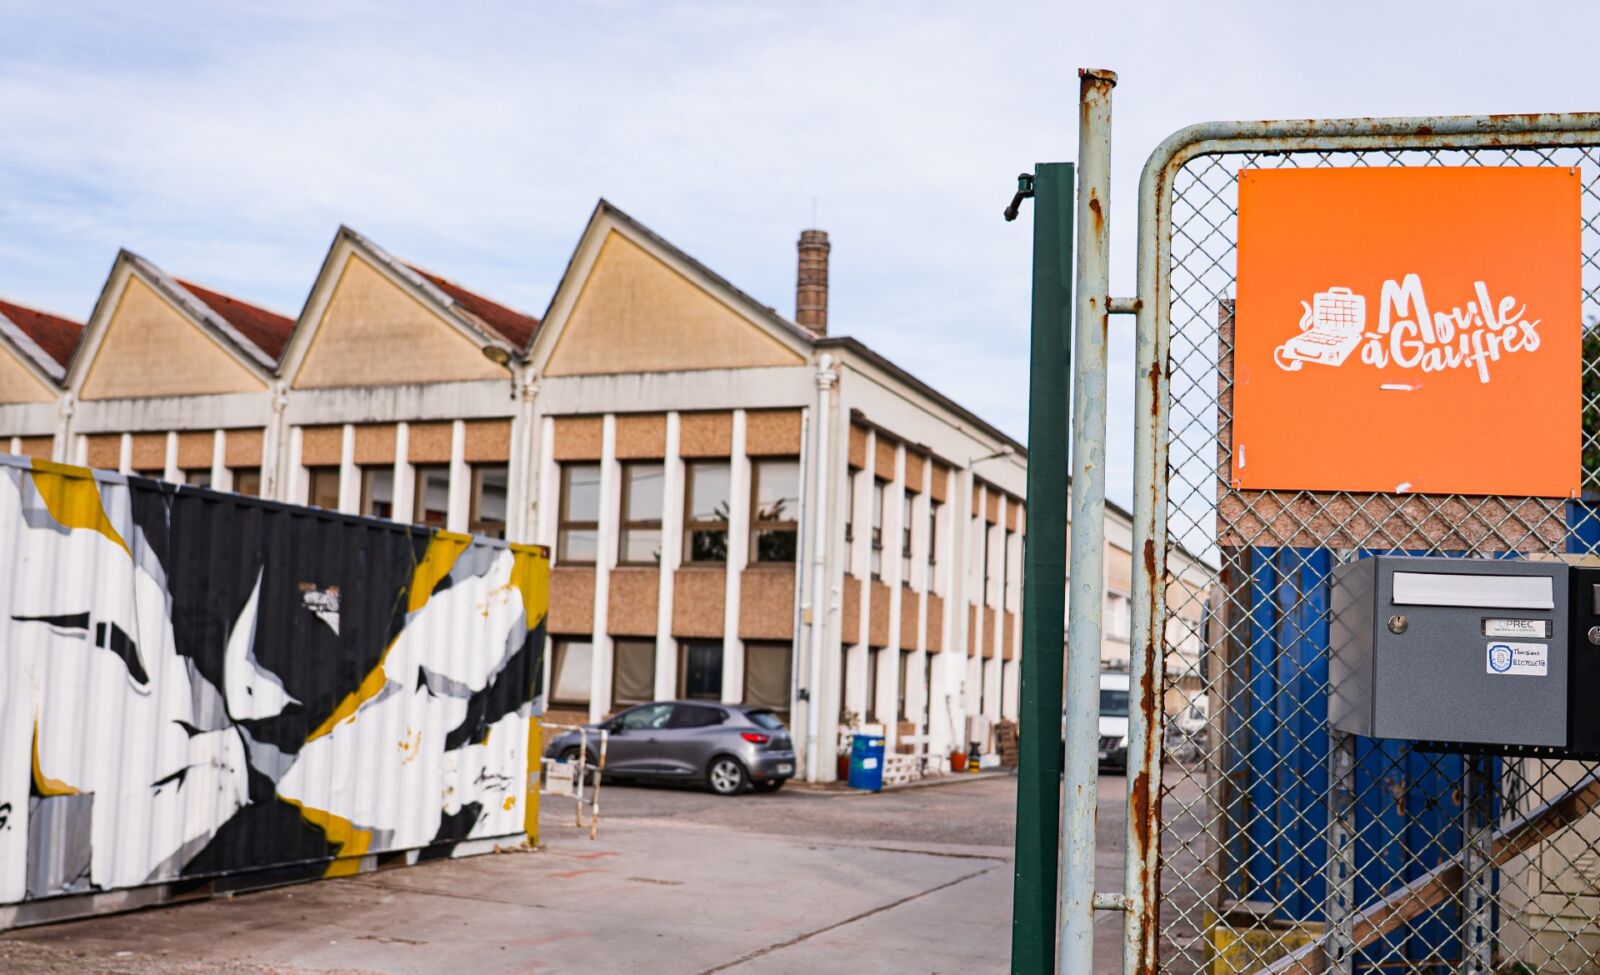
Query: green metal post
[[1033, 915]]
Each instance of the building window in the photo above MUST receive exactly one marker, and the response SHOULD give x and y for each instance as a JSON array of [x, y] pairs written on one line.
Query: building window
[[876, 567], [1118, 615], [927, 690], [570, 669], [198, 477], [377, 492], [323, 487], [247, 480], [487, 514], [903, 686], [640, 543], [933, 545], [905, 538], [706, 517], [774, 518], [987, 541], [430, 504], [700, 672], [766, 676], [850, 506], [578, 536], [1005, 570], [633, 672], [873, 655]]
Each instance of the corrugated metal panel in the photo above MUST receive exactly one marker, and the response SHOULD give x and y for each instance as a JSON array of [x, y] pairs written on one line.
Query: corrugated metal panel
[[201, 685]]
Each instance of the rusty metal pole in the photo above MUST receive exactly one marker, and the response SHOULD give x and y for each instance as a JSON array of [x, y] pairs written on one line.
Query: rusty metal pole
[[1086, 585], [1146, 722]]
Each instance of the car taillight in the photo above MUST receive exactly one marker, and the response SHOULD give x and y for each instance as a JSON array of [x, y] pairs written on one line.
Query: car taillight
[[755, 738]]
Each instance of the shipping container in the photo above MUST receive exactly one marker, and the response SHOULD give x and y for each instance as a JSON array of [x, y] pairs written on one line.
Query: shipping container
[[204, 692]]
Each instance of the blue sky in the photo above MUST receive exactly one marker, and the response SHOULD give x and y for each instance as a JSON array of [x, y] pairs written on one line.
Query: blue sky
[[227, 142]]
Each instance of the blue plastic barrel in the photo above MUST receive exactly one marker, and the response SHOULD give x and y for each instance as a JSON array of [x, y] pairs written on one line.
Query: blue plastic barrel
[[866, 762]]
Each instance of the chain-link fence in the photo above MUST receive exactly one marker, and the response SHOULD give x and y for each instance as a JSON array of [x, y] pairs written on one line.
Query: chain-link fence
[[1287, 846]]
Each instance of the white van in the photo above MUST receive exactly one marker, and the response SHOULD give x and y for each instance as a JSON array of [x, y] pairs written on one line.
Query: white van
[[1114, 720]]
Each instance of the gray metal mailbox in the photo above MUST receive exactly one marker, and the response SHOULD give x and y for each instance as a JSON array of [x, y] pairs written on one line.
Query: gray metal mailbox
[[1450, 650]]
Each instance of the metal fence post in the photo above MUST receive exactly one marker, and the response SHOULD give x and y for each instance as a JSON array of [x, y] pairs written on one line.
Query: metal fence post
[[1086, 593], [1477, 876], [1033, 923], [1341, 869]]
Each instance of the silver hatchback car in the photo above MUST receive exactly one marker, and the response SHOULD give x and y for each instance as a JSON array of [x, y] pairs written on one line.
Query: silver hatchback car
[[729, 747]]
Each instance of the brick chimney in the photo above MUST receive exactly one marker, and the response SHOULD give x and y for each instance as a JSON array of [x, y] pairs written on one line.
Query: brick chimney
[[811, 283]]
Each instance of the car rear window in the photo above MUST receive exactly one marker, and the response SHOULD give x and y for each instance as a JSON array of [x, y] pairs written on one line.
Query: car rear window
[[766, 719], [696, 716]]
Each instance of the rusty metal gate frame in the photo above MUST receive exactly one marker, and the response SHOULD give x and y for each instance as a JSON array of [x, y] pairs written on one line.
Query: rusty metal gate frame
[[1140, 899]]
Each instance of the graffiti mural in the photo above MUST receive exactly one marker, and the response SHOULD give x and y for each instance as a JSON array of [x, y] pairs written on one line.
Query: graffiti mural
[[196, 684]]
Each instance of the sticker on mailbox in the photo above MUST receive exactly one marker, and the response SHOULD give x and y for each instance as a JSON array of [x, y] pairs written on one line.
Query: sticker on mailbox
[[1519, 658]]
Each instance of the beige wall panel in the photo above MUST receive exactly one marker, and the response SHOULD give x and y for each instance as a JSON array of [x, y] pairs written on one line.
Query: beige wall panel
[[196, 449], [18, 385], [883, 463], [910, 611], [977, 497], [698, 598], [935, 623], [642, 436], [914, 465], [149, 452], [150, 349], [636, 314], [322, 446], [578, 437], [572, 600], [705, 434], [988, 632], [373, 333], [766, 604], [858, 447], [428, 443], [38, 448], [878, 615], [992, 513], [1008, 646], [375, 443], [974, 635], [1013, 514], [940, 474], [1119, 569], [242, 448], [850, 611], [635, 593], [105, 451], [488, 442], [772, 433]]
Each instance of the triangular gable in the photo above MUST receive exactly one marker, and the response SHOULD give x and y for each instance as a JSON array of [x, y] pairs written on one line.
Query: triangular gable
[[631, 302], [150, 340], [20, 381], [373, 320]]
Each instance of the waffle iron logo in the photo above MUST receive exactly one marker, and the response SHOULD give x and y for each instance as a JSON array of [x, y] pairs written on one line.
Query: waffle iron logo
[[1407, 335]]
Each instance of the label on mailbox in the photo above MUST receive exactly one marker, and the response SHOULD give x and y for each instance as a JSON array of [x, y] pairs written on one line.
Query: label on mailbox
[[1519, 658], [1538, 629]]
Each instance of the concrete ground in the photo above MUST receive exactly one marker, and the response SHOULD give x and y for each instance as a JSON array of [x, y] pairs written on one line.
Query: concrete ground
[[910, 881]]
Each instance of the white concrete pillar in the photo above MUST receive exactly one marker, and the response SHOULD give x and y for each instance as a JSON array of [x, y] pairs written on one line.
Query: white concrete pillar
[[16, 446], [605, 559], [297, 482], [221, 477], [672, 505], [125, 454], [738, 557], [548, 503], [170, 471], [405, 477], [80, 450], [458, 508], [349, 473]]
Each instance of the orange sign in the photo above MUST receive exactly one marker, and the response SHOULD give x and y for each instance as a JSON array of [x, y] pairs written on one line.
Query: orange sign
[[1409, 330]]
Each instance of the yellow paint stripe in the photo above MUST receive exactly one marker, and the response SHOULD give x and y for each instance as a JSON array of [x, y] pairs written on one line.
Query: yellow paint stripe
[[72, 496], [44, 783], [530, 575], [352, 840], [443, 551]]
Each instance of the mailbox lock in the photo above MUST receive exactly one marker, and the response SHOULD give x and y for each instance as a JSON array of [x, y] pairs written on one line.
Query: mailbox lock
[[1594, 635], [1397, 624]]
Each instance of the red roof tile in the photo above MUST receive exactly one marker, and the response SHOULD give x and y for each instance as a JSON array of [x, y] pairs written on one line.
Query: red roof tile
[[513, 326], [57, 336], [268, 330]]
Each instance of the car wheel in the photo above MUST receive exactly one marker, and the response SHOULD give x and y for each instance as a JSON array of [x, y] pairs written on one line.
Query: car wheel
[[771, 785], [727, 776]]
